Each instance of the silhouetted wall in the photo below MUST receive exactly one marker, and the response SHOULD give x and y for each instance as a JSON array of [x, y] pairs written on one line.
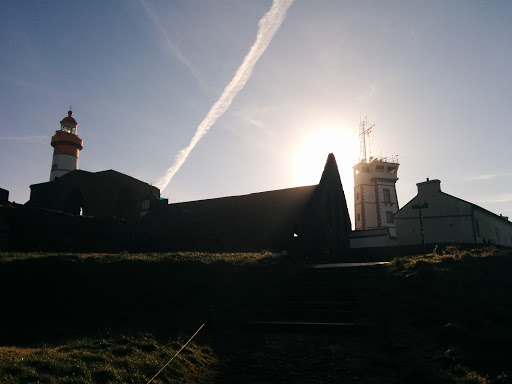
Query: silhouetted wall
[[327, 223], [34, 229], [100, 194], [311, 220], [266, 220], [4, 196]]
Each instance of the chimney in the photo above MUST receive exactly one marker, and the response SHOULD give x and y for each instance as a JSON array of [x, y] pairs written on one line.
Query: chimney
[[429, 187]]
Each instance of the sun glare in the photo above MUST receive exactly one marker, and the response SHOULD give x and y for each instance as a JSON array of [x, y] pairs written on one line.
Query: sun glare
[[312, 154]]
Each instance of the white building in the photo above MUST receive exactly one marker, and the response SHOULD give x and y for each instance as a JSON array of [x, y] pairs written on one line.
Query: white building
[[443, 218], [375, 198]]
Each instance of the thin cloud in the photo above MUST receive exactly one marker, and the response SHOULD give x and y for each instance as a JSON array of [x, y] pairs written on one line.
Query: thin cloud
[[22, 83], [505, 198], [256, 123], [267, 27], [413, 36], [259, 125], [488, 176], [26, 139], [368, 93], [247, 118], [170, 44]]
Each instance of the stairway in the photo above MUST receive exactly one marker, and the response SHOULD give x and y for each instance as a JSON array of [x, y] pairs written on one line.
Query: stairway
[[320, 299], [309, 332]]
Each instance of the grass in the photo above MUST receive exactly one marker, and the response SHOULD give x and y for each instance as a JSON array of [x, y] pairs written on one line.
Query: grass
[[134, 283], [109, 358], [247, 258], [57, 293], [445, 316], [56, 307], [442, 317]]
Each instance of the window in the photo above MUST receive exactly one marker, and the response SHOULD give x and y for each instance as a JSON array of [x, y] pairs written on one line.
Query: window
[[357, 196], [391, 169], [387, 196], [389, 216], [358, 217], [379, 168]]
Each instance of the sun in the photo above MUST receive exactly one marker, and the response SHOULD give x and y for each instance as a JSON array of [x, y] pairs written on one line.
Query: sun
[[311, 155]]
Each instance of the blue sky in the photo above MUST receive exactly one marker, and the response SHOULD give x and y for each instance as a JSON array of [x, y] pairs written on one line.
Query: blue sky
[[433, 76]]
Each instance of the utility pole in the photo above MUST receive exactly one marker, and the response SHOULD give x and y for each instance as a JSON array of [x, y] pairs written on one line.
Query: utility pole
[[420, 207]]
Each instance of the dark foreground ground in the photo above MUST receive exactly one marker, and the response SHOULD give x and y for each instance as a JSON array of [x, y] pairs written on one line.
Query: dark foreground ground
[[435, 318], [329, 331], [294, 358]]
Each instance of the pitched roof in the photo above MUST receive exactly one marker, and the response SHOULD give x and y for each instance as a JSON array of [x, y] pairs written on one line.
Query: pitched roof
[[472, 205]]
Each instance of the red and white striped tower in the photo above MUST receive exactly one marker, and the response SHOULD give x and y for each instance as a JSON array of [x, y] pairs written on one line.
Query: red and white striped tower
[[66, 145]]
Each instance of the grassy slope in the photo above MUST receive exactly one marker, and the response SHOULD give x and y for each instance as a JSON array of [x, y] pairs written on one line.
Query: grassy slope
[[43, 294], [437, 318], [116, 358], [119, 317], [444, 317], [264, 257]]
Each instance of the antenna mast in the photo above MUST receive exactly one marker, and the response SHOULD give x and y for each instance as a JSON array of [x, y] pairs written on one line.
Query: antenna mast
[[364, 130]]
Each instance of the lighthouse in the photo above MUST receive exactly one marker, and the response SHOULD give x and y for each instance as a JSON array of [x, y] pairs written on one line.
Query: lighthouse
[[66, 145]]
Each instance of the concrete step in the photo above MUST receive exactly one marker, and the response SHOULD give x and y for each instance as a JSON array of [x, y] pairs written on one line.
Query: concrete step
[[319, 299], [301, 326]]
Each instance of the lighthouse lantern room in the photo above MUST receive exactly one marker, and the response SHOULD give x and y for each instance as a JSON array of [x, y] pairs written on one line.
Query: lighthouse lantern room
[[66, 146]]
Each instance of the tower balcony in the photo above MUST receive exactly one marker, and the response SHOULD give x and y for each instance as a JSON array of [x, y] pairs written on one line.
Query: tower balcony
[[65, 138], [380, 168]]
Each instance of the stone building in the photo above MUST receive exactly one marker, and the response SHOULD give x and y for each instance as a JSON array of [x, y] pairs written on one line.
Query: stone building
[[80, 211], [98, 194], [312, 219], [83, 210]]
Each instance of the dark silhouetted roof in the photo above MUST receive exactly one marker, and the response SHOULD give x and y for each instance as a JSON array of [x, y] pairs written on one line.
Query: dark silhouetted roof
[[69, 120]]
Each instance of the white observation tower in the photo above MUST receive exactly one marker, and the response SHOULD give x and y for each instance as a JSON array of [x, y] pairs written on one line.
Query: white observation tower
[[375, 198], [66, 145]]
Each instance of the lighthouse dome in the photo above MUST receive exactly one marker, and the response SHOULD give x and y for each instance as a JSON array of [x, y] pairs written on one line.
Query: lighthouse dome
[[68, 123]]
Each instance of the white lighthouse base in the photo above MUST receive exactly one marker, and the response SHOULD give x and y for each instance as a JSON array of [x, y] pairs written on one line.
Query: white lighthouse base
[[63, 164]]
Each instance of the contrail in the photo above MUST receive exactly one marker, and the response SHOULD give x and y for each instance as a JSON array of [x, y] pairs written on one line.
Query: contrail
[[267, 27]]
